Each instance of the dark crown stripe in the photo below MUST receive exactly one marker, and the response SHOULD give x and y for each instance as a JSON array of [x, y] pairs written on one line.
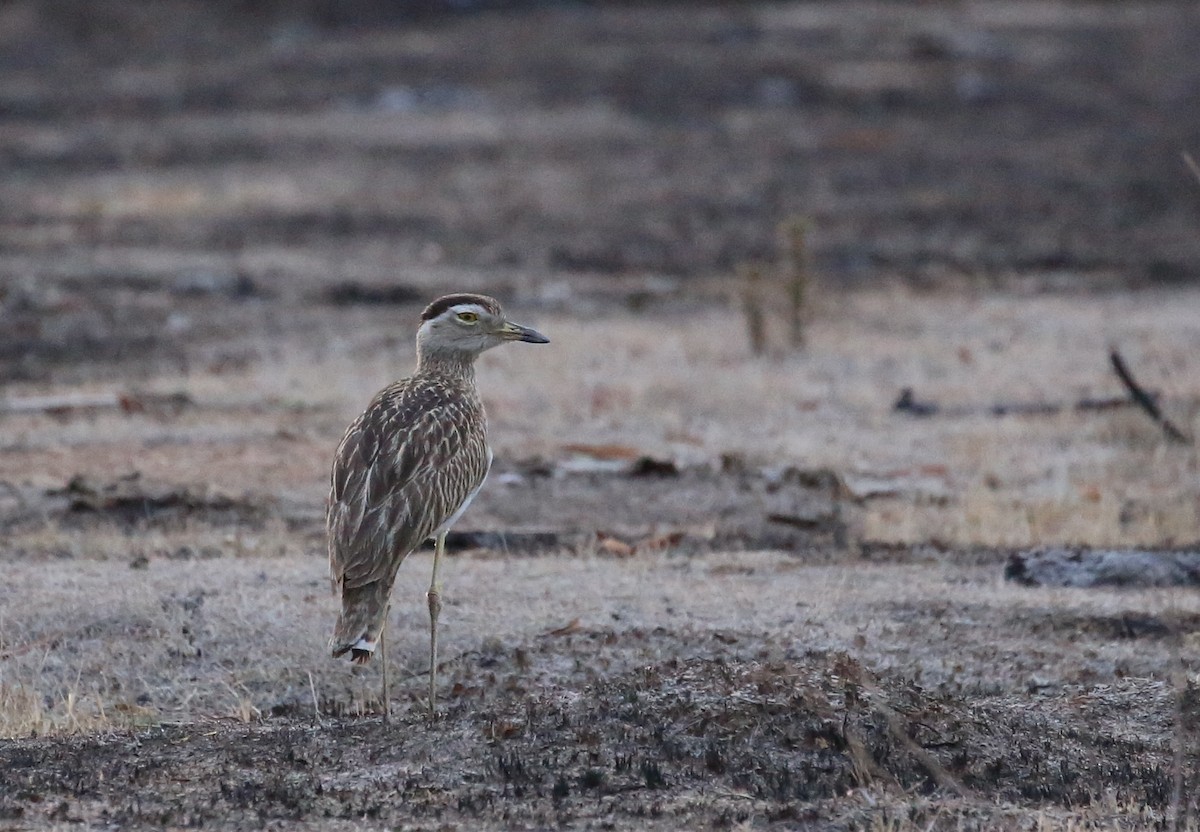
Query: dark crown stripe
[[446, 301]]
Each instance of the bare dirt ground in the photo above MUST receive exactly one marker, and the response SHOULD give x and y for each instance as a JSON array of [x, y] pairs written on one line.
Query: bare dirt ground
[[703, 588]]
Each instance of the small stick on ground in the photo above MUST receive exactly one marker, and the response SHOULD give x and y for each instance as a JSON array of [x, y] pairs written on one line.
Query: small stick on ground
[[907, 402], [1144, 400], [128, 402], [312, 686], [897, 728]]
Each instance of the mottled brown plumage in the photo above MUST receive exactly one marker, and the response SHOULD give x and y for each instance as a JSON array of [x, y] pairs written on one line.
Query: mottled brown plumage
[[408, 466], [405, 466]]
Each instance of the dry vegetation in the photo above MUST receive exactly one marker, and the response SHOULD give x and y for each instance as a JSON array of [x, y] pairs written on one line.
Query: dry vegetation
[[217, 608], [704, 587]]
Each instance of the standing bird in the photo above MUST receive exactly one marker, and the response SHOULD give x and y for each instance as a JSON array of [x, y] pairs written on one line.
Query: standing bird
[[407, 468]]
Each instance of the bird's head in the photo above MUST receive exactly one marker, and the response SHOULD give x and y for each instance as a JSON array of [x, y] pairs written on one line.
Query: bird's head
[[464, 325]]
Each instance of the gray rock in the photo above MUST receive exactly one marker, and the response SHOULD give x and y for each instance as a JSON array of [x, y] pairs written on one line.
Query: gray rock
[[1104, 567]]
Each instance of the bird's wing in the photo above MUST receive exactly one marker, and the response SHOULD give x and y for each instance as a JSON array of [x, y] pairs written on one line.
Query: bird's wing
[[402, 469]]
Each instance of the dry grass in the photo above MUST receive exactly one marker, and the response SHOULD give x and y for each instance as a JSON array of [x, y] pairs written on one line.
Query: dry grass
[[682, 384], [24, 713], [181, 640], [688, 388], [225, 621], [235, 630], [920, 815]]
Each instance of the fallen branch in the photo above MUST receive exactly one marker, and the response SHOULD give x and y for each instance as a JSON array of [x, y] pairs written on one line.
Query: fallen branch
[[1082, 567], [1145, 400], [907, 402], [855, 674], [63, 405]]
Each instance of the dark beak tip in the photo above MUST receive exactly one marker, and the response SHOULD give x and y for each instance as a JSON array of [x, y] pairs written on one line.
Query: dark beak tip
[[532, 336]]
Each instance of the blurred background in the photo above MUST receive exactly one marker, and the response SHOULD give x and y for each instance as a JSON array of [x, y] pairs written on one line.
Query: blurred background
[[834, 291], [767, 215], [546, 148]]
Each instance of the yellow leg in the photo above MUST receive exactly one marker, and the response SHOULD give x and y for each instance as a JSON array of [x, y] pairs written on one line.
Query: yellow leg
[[434, 597], [387, 699]]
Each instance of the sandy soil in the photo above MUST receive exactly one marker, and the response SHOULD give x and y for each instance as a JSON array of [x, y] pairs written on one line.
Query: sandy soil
[[703, 588]]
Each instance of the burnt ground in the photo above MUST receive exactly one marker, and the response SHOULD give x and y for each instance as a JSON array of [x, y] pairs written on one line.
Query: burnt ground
[[703, 589], [714, 734]]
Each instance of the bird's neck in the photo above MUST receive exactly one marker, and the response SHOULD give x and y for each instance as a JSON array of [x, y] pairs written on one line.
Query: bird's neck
[[456, 366]]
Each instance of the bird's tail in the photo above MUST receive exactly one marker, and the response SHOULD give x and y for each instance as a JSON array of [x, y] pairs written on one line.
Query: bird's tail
[[364, 613]]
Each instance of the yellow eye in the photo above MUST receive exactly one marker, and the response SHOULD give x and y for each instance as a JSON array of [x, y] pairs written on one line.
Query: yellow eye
[[468, 317]]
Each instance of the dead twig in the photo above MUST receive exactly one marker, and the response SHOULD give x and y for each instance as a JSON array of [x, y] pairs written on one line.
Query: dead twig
[[1144, 400], [907, 402], [312, 687], [61, 405], [896, 726], [442, 665]]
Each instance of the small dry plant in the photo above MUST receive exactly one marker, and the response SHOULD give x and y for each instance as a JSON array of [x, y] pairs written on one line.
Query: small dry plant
[[25, 713], [782, 291], [750, 276]]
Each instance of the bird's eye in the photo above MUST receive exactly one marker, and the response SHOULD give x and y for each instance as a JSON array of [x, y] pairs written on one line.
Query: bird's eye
[[468, 317]]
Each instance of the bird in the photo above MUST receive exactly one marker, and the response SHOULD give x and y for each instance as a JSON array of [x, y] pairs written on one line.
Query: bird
[[406, 470]]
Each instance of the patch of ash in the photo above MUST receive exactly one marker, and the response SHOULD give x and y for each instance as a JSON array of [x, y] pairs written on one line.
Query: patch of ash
[[677, 738]]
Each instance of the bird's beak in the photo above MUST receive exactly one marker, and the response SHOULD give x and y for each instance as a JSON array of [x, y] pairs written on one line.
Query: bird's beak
[[516, 332]]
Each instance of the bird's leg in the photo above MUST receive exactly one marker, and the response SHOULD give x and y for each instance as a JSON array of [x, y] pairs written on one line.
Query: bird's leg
[[434, 597], [387, 700]]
